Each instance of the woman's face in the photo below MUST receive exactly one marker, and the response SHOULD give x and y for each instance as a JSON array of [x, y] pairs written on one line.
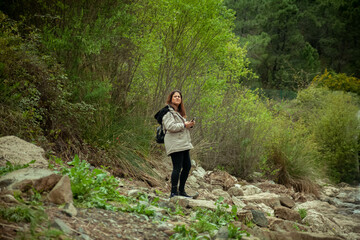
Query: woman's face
[[176, 99]]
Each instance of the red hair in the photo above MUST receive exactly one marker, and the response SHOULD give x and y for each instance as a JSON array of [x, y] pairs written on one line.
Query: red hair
[[181, 107]]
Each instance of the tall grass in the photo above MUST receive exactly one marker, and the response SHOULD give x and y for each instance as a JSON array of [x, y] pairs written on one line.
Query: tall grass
[[292, 155], [124, 137]]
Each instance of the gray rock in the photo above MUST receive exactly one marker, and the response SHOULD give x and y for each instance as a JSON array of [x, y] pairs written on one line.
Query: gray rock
[[59, 224], [192, 182], [330, 191], [250, 190], [133, 192], [199, 173], [223, 233], [238, 202], [260, 207], [191, 203], [259, 218], [193, 163], [85, 237], [165, 226], [70, 210]]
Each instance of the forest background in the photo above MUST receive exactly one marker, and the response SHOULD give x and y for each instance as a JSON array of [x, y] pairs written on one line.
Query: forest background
[[274, 84]]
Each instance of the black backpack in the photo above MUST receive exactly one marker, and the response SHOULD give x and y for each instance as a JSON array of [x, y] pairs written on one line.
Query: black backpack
[[160, 133]]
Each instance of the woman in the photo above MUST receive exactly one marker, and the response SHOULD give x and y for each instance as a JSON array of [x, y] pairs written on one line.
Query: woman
[[178, 142]]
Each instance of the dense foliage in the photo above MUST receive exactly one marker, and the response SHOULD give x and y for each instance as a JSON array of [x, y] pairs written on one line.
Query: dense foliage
[[86, 77], [291, 41]]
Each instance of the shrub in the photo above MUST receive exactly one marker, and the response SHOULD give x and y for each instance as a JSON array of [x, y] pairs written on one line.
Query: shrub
[[34, 100], [332, 117], [338, 81], [236, 130]]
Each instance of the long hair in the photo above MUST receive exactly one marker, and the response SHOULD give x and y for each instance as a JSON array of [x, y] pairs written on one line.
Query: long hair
[[181, 108]]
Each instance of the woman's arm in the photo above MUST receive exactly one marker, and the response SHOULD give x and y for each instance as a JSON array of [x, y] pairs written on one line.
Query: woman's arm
[[171, 125]]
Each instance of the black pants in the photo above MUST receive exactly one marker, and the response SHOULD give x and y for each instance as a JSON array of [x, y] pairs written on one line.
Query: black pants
[[181, 167]]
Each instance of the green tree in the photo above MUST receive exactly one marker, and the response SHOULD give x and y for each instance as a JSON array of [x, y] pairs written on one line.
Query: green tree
[[332, 28], [183, 42], [289, 42]]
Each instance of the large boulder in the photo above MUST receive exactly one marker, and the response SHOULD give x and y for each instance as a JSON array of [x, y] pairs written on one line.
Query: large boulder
[[23, 177], [19, 152], [320, 222], [324, 217]]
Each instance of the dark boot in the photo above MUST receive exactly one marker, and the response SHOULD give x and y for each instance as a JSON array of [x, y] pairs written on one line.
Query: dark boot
[[173, 194], [184, 194]]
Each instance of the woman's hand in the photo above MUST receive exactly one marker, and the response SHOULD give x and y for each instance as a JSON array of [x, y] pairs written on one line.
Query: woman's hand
[[189, 124]]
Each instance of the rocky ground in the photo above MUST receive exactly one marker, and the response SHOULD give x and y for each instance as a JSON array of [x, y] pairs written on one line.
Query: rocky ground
[[273, 209]]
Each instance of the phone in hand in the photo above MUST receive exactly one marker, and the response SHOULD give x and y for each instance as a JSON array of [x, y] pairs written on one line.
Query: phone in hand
[[192, 120]]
